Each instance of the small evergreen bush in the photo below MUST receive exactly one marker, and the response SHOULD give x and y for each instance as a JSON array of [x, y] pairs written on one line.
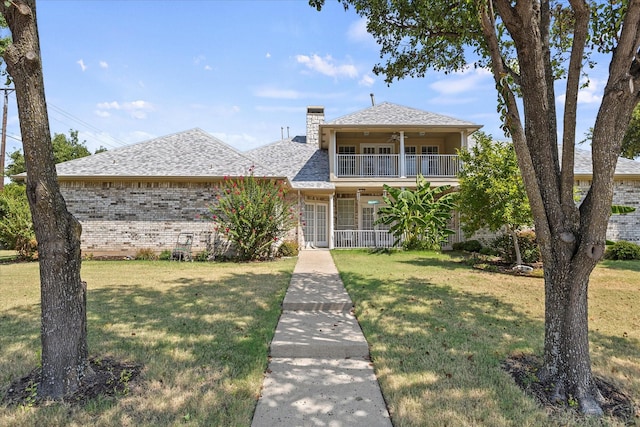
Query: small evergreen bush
[[288, 248], [165, 255], [468, 246], [202, 256], [146, 254], [623, 250]]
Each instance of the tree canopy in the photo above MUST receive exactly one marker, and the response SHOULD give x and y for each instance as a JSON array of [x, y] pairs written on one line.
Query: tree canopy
[[631, 141], [491, 193]]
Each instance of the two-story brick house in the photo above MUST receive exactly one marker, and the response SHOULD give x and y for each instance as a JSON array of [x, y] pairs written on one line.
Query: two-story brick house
[[145, 194]]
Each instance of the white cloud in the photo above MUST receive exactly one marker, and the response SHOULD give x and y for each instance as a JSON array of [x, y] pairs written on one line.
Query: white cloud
[[327, 66], [136, 109], [357, 33], [268, 55], [208, 67], [102, 113], [367, 81], [591, 94], [462, 82], [104, 64], [81, 63]]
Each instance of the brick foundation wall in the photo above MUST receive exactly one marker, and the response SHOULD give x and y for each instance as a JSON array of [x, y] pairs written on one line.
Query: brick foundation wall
[[120, 218]]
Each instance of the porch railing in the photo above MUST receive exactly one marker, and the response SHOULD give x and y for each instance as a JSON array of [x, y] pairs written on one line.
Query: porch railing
[[363, 239], [388, 165]]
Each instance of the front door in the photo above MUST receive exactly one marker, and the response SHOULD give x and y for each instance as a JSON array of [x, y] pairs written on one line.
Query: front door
[[315, 224]]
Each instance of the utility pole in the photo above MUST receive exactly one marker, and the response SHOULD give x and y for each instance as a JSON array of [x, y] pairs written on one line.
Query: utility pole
[[3, 142]]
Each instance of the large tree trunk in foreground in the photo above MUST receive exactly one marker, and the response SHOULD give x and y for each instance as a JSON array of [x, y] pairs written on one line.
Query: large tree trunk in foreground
[[571, 239], [63, 295]]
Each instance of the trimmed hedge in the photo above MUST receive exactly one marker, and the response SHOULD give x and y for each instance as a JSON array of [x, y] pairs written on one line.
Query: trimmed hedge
[[623, 250]]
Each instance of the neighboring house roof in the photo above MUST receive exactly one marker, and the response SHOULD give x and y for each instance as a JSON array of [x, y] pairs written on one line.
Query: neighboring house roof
[[584, 166], [390, 114], [192, 153], [306, 166]]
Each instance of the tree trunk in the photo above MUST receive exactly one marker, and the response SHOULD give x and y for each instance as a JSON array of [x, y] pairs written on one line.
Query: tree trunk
[[63, 295], [516, 245]]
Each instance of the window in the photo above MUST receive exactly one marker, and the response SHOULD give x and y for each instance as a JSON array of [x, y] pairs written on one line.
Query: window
[[346, 160], [345, 214], [346, 149]]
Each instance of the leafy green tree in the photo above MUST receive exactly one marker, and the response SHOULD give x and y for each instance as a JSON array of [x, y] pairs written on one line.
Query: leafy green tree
[[631, 141], [418, 218], [64, 149], [534, 48], [491, 193], [64, 362], [254, 214], [16, 228]]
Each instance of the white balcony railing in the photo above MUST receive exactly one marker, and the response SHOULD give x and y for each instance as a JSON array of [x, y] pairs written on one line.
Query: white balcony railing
[[363, 239], [387, 165]]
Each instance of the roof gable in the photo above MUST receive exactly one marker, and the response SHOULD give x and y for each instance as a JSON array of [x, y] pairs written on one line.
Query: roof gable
[[387, 113], [192, 153]]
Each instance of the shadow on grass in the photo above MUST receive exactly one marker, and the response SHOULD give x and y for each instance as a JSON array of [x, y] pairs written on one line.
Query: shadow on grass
[[621, 265], [440, 349], [203, 343]]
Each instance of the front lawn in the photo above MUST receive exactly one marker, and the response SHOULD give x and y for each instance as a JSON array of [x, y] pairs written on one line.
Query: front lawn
[[439, 331], [200, 330]]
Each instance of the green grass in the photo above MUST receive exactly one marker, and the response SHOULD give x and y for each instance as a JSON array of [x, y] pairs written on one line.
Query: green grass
[[438, 331], [201, 330]]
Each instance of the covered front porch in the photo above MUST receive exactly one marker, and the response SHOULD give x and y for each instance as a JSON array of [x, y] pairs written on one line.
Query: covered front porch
[[347, 220]]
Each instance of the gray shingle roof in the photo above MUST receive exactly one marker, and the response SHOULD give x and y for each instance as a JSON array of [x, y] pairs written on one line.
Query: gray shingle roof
[[583, 165], [192, 153], [387, 113], [306, 166]]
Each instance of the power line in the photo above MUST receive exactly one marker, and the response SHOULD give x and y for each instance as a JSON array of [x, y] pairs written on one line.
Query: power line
[[99, 134]]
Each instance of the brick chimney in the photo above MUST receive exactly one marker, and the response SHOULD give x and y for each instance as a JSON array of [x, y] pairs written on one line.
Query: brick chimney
[[315, 117]]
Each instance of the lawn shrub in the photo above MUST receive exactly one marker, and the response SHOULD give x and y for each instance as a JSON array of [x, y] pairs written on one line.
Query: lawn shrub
[[504, 248], [16, 227], [253, 214], [623, 250], [165, 255], [203, 256], [468, 246], [146, 254], [288, 248]]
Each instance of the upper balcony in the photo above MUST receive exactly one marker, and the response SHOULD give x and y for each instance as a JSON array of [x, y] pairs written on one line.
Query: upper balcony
[[396, 166]]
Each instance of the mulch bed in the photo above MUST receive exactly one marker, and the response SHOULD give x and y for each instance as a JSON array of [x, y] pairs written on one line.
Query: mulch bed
[[112, 378], [523, 369]]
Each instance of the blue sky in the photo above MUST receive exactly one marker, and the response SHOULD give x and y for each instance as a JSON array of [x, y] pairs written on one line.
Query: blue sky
[[122, 72]]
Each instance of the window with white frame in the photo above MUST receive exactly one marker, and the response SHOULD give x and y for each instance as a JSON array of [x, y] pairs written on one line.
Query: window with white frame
[[345, 214]]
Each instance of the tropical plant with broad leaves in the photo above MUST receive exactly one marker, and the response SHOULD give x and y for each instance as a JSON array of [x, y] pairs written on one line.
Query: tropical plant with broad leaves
[[418, 218]]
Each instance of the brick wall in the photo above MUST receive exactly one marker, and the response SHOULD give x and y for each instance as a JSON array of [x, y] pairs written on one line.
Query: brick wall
[[622, 227], [118, 218]]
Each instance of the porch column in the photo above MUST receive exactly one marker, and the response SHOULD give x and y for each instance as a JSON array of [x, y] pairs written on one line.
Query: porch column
[[333, 155], [401, 156], [331, 219]]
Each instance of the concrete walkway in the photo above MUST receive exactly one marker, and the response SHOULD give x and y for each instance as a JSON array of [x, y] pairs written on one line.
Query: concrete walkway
[[319, 373]]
